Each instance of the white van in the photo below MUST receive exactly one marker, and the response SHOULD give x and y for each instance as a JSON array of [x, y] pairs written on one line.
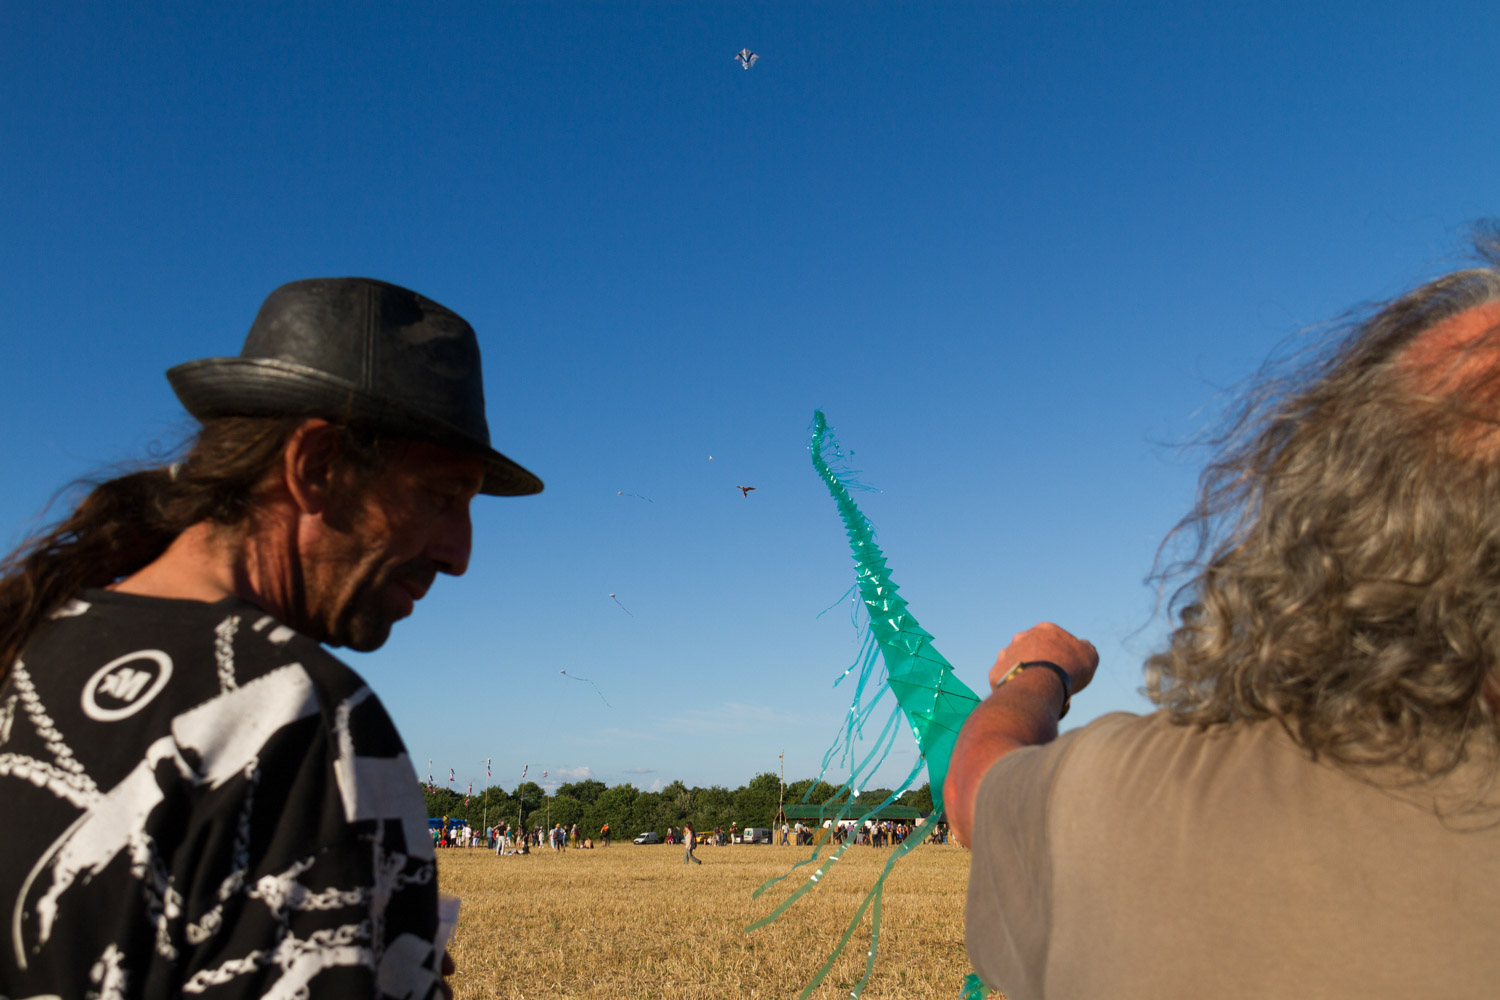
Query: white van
[[755, 835]]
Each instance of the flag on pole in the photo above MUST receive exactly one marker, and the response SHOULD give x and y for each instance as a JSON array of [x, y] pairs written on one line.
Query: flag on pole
[[429, 775], [471, 791], [450, 775], [487, 761], [523, 771]]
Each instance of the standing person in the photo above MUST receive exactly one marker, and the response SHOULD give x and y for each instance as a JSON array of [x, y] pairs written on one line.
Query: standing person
[[690, 839], [1319, 779], [604, 834], [196, 762], [576, 841]]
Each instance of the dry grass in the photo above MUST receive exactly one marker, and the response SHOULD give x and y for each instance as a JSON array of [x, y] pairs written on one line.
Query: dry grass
[[634, 922]]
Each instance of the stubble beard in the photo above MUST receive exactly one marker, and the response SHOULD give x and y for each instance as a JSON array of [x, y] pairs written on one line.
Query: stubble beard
[[364, 624]]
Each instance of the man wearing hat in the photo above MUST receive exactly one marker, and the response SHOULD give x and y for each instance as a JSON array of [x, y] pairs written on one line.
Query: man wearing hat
[[199, 799]]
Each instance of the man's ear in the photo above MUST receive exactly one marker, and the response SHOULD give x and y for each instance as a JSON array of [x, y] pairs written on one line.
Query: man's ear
[[308, 465]]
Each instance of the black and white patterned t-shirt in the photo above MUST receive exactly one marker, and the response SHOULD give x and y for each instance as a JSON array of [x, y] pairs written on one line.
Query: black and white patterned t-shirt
[[196, 800]]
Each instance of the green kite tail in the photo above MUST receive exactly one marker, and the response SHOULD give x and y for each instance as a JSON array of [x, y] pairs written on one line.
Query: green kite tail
[[931, 696], [928, 694]]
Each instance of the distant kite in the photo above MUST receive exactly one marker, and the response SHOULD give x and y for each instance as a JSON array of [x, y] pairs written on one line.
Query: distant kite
[[745, 490], [746, 58], [622, 607], [622, 493], [590, 684]]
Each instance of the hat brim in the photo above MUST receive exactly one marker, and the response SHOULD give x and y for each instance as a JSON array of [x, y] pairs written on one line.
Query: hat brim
[[270, 387]]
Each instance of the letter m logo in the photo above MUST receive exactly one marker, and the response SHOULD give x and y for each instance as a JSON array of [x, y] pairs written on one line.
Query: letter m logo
[[125, 684]]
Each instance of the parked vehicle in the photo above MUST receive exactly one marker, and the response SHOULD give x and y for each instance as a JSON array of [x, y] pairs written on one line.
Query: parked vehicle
[[755, 835], [649, 837]]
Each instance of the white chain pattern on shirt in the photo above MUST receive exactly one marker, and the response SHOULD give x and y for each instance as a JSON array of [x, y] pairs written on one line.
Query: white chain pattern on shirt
[[224, 651], [46, 729], [63, 784]]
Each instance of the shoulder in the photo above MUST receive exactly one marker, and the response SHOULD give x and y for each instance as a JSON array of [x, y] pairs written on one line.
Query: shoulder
[[261, 638], [1034, 769], [345, 702], [1124, 753]]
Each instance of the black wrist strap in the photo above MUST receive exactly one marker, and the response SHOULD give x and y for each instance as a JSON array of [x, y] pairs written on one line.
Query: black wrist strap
[[1062, 675]]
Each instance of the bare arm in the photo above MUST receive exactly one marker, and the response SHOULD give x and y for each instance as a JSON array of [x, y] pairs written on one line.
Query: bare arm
[[1022, 712]]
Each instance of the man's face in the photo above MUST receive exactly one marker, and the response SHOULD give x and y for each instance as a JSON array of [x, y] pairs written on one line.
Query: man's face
[[409, 523]]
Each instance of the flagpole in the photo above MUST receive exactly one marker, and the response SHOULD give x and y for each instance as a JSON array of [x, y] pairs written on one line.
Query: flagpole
[[485, 796], [521, 798]]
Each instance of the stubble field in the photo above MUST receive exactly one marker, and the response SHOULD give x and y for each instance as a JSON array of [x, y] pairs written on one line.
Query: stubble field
[[633, 922]]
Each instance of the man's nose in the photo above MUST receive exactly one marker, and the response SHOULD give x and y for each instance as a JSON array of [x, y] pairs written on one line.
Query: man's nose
[[453, 542]]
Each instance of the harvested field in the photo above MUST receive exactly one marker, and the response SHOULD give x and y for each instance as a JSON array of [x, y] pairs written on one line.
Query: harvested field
[[633, 922]]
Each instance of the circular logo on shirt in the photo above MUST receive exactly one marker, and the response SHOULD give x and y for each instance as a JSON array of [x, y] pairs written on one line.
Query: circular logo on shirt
[[124, 686]]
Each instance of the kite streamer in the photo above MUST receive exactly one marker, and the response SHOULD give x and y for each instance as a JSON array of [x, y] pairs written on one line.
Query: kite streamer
[[931, 698], [575, 677]]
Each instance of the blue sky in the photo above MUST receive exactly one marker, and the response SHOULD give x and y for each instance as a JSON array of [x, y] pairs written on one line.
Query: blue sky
[[1017, 252]]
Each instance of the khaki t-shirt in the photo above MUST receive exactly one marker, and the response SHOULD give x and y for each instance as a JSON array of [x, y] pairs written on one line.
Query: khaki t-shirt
[[1134, 858]]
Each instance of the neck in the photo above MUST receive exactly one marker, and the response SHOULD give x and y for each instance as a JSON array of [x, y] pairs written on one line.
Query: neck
[[207, 563]]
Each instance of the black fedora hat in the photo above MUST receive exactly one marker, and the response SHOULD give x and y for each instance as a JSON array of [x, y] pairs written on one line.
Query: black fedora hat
[[359, 351]]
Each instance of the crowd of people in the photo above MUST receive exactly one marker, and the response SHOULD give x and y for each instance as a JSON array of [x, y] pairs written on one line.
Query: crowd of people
[[507, 838]]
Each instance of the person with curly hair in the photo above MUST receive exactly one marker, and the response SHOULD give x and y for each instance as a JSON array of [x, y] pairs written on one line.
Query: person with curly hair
[[1312, 810]]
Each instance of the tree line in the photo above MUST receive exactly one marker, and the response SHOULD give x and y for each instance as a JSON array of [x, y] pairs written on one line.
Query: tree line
[[630, 811]]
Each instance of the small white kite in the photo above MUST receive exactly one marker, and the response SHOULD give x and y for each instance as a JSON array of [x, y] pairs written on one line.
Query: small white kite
[[746, 58]]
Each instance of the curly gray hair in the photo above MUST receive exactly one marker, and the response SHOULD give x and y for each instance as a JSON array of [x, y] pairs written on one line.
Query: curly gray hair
[[1347, 558]]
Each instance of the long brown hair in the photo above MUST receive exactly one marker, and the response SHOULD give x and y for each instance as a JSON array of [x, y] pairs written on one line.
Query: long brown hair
[[1346, 550], [126, 522]]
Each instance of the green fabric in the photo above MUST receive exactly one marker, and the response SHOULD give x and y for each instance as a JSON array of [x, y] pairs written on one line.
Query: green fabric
[[929, 696]]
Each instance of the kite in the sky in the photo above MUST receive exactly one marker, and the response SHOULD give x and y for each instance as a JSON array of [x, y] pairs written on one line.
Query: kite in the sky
[[746, 58], [622, 607], [622, 493], [745, 490], [590, 684]]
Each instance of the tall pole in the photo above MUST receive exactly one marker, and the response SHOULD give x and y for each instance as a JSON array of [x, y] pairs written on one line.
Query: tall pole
[[780, 793], [485, 795]]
